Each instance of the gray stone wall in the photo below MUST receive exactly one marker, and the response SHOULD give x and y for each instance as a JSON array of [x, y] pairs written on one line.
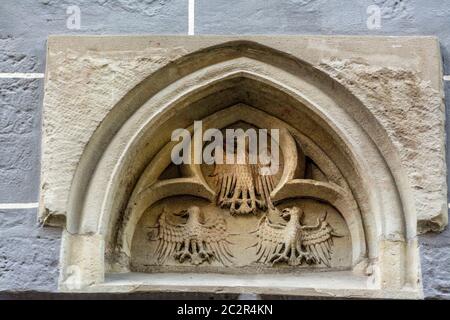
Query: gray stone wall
[[28, 253]]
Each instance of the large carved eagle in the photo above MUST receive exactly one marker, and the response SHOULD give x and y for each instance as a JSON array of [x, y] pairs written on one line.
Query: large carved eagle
[[294, 243], [242, 187], [195, 239]]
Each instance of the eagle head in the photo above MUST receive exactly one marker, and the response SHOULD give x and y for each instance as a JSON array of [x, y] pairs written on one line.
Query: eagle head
[[291, 213], [193, 214]]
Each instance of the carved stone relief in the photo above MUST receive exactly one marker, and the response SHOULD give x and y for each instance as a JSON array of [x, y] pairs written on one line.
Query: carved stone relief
[[308, 234], [196, 239], [339, 218], [242, 227], [292, 242]]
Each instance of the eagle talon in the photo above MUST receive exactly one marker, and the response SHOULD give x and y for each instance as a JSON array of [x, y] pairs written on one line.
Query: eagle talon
[[183, 255], [309, 258], [261, 204], [305, 257], [196, 259], [205, 255], [279, 258]]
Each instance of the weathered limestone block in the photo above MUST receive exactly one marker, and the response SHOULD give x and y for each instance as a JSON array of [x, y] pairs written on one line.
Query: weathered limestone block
[[109, 77], [361, 170], [412, 112]]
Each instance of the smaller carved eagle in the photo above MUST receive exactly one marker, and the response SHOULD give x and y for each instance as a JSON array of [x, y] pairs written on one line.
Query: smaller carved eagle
[[195, 239], [292, 242]]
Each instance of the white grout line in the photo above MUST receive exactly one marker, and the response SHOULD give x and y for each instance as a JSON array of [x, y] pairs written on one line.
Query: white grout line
[[18, 75], [30, 205], [191, 18], [446, 78]]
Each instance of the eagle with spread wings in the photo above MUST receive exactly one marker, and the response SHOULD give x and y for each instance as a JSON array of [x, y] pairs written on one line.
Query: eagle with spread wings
[[243, 187], [195, 239], [292, 242]]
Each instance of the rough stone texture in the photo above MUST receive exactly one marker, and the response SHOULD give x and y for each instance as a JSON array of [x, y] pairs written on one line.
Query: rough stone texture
[[24, 26], [435, 258], [20, 119], [121, 72], [412, 112], [399, 17], [435, 250], [28, 253], [106, 76], [88, 81]]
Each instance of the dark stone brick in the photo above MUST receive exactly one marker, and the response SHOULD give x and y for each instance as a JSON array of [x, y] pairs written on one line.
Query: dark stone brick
[[20, 119], [436, 269], [23, 223], [28, 264], [398, 18], [29, 253]]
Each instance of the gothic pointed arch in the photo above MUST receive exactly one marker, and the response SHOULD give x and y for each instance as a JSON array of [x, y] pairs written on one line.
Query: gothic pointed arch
[[133, 215]]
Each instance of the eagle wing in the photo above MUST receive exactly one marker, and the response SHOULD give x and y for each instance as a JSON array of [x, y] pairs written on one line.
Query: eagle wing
[[318, 240], [264, 184], [225, 177], [270, 238], [169, 236], [215, 236]]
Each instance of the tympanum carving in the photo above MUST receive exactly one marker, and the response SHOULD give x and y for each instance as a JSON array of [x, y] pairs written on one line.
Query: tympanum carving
[[251, 217]]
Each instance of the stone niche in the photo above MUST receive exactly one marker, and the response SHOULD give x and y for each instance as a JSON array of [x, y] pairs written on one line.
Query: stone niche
[[360, 124]]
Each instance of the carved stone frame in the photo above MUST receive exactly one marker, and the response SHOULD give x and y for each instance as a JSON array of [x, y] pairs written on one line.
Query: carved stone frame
[[194, 78]]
